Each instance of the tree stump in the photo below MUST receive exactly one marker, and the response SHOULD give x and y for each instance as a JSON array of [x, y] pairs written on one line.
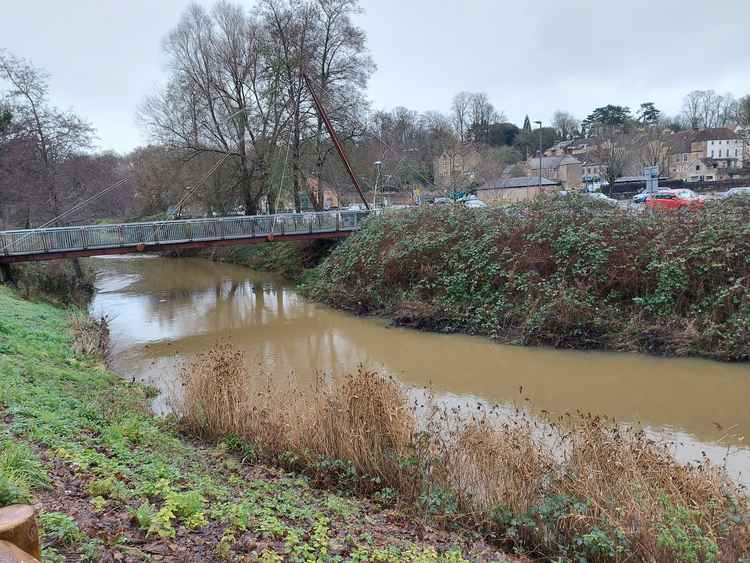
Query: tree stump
[[9, 553], [18, 527]]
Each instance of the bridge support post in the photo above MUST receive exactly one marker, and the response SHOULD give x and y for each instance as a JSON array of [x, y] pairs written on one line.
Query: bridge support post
[[6, 273], [77, 268]]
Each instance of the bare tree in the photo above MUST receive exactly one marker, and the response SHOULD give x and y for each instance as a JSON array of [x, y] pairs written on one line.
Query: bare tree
[[707, 109], [612, 152], [224, 96], [565, 123], [652, 147], [460, 114], [54, 134], [743, 111]]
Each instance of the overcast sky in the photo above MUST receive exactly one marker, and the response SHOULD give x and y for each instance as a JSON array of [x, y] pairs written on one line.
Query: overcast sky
[[104, 56]]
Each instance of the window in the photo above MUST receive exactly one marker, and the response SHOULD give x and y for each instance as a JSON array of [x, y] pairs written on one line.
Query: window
[[697, 168], [720, 153], [712, 154], [684, 158]]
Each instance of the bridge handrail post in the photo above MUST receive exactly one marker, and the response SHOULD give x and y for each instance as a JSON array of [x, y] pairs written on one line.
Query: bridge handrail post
[[189, 228], [83, 238], [155, 232], [121, 233], [221, 229]]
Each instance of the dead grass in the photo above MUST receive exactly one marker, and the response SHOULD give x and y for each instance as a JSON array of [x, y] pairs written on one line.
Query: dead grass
[[90, 335], [577, 486]]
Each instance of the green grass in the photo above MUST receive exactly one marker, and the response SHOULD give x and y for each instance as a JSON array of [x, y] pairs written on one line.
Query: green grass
[[81, 443]]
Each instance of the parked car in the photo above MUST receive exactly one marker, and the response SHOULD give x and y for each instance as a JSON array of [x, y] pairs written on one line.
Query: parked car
[[675, 199], [473, 202], [641, 197], [735, 192], [599, 196], [442, 200]]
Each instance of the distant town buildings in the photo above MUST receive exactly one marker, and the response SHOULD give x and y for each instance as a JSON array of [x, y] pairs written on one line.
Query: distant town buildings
[[567, 170], [705, 154], [456, 168], [695, 155], [516, 189]]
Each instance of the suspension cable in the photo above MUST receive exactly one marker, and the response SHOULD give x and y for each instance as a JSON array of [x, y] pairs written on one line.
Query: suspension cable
[[68, 212]]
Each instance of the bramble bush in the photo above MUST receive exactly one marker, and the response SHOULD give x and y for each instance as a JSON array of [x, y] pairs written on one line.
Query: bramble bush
[[565, 272]]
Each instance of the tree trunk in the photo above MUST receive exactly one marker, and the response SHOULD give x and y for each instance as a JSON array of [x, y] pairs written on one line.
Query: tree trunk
[[296, 157], [18, 526], [9, 553], [246, 183]]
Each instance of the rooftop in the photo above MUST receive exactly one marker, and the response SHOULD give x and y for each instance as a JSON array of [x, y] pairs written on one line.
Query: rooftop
[[521, 182], [552, 162]]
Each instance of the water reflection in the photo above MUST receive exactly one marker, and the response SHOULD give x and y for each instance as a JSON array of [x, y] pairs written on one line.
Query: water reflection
[[164, 311]]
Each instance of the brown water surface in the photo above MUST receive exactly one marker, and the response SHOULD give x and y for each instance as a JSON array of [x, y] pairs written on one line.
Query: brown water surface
[[164, 311]]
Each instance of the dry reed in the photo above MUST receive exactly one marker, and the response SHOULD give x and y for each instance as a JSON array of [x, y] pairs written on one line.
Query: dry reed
[[90, 335], [576, 486]]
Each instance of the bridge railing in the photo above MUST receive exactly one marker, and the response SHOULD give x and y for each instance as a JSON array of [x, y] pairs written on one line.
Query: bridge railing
[[62, 239]]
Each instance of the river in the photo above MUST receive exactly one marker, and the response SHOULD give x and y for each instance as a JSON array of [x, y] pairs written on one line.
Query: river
[[164, 311]]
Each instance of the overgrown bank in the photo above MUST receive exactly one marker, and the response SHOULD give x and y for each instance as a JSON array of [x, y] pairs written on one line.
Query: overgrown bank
[[112, 483], [564, 272], [64, 282]]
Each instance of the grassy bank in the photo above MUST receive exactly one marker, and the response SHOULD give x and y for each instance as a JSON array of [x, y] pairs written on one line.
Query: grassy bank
[[576, 487], [564, 272], [113, 483]]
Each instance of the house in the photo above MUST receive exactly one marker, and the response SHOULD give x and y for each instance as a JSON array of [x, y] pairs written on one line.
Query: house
[[456, 168], [330, 197], [516, 189], [572, 147], [568, 170], [592, 169], [705, 154]]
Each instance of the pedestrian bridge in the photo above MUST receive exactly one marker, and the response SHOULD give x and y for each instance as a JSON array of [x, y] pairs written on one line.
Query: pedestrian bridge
[[91, 240]]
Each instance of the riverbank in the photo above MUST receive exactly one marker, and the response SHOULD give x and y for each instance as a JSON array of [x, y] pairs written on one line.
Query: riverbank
[[112, 482], [561, 272]]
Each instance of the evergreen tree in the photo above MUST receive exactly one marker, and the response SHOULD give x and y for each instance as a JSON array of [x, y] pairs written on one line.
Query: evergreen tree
[[648, 114]]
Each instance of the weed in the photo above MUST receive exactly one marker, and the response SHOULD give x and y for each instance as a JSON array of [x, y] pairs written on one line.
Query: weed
[[61, 529], [21, 473]]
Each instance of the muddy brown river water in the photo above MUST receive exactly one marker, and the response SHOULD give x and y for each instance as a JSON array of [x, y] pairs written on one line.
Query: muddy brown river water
[[164, 311]]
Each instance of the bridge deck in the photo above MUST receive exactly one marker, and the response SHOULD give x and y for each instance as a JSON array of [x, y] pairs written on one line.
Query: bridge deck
[[90, 240]]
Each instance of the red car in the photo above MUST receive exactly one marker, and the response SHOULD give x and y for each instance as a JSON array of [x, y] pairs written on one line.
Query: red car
[[675, 199]]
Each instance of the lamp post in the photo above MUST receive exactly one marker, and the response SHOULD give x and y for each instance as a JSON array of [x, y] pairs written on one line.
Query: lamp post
[[378, 164], [540, 154]]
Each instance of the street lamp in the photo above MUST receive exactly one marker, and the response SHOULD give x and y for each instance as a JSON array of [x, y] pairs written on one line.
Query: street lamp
[[540, 154], [378, 164]]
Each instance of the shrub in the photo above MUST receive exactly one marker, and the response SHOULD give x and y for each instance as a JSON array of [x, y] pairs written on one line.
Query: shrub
[[565, 272], [61, 529]]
